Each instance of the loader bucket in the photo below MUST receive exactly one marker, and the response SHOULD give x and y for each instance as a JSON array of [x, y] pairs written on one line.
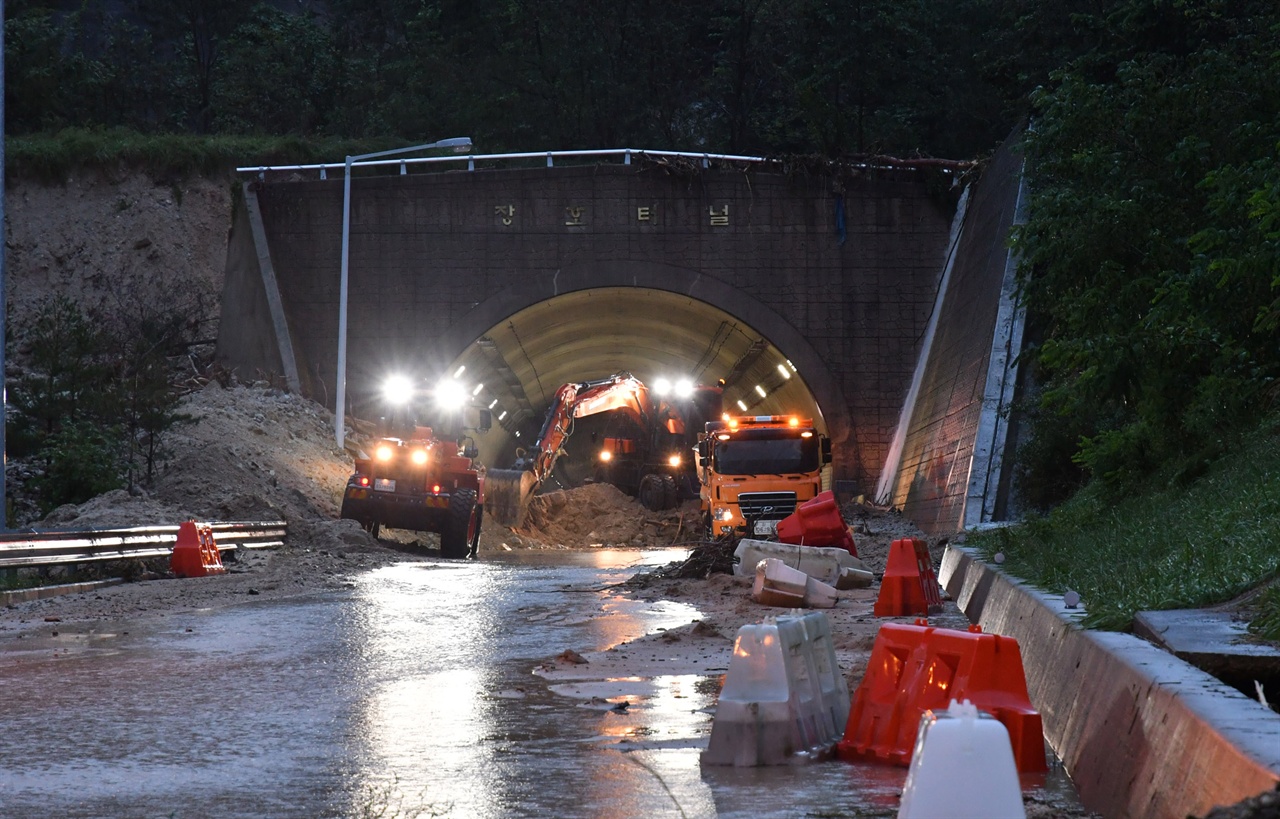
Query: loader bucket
[[506, 495]]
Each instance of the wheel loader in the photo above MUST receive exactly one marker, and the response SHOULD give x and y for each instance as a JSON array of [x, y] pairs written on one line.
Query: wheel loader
[[411, 478]]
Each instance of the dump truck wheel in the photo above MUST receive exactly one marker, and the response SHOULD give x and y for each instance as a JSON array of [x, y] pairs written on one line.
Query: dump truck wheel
[[460, 526]]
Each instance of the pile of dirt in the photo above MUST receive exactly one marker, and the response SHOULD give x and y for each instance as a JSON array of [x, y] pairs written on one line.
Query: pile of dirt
[[257, 453], [600, 514]]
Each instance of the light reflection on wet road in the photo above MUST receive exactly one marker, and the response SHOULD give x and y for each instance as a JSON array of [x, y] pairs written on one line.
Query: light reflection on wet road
[[410, 694]]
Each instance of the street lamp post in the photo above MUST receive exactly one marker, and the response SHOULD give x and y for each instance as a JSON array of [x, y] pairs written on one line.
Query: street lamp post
[[458, 144]]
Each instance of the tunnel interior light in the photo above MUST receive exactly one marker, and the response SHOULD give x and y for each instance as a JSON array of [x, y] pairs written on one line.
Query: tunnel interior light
[[493, 403], [742, 405], [476, 391], [517, 433], [502, 415], [684, 388], [662, 386], [760, 390], [462, 368], [782, 368], [792, 366], [397, 389]]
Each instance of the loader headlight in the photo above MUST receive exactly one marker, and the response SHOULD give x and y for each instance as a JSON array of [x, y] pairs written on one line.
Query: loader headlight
[[384, 452], [684, 388]]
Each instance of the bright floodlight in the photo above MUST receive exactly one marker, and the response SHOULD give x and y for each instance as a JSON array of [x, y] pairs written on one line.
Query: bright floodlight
[[684, 388], [397, 389], [451, 394], [662, 386]]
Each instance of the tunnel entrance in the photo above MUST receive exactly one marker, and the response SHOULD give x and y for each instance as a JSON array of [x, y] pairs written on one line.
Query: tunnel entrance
[[514, 367]]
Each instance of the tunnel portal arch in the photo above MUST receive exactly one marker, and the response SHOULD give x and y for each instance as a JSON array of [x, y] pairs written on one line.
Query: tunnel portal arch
[[591, 320]]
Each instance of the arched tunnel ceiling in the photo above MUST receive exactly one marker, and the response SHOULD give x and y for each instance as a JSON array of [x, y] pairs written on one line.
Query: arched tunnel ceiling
[[588, 334]]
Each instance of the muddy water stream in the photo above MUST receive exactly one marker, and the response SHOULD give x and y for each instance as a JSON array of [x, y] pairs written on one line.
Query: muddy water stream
[[409, 694]]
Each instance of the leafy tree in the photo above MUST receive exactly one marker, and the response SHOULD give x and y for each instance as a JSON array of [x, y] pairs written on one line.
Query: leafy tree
[[1147, 157], [67, 368], [198, 28], [279, 75], [82, 460]]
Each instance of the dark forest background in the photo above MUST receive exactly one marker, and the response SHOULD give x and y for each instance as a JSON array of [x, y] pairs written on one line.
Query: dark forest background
[[1151, 259]]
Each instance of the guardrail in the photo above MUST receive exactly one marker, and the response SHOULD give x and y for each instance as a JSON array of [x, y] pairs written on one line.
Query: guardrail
[[27, 549]]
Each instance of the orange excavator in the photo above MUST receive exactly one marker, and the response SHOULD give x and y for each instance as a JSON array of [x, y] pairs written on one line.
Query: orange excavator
[[652, 459]]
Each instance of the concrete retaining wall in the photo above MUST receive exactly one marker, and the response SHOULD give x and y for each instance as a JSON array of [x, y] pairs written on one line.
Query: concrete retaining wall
[[928, 473], [1142, 733]]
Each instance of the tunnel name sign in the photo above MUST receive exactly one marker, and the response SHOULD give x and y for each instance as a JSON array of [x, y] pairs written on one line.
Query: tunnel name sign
[[574, 215]]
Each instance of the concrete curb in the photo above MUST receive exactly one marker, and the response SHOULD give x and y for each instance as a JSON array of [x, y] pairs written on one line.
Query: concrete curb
[[1142, 733], [11, 598]]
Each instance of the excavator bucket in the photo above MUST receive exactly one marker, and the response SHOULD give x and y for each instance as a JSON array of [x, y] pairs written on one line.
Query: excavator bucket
[[506, 495]]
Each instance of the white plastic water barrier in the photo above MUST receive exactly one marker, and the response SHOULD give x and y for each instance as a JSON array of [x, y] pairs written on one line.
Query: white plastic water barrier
[[835, 567], [962, 766], [784, 695]]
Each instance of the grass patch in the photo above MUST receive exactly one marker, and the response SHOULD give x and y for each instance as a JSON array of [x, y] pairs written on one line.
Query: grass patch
[[53, 157], [1169, 548]]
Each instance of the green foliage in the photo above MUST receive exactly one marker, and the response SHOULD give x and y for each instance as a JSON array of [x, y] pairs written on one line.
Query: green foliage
[[1150, 257], [67, 366], [51, 157], [95, 396], [812, 76], [1183, 546], [81, 461], [1266, 623]]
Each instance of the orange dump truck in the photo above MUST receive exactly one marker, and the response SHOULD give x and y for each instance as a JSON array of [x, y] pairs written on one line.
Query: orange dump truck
[[756, 468]]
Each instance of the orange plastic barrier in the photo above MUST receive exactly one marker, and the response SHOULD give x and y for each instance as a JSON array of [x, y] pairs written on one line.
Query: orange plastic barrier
[[195, 554], [817, 522], [909, 585], [914, 668]]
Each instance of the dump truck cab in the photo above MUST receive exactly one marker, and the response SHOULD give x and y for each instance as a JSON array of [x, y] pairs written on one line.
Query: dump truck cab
[[757, 468]]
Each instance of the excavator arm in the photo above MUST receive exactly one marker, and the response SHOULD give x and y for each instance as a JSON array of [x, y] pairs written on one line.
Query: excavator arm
[[508, 491]]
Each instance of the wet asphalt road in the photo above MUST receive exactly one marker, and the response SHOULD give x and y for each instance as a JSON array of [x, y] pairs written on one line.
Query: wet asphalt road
[[411, 694]]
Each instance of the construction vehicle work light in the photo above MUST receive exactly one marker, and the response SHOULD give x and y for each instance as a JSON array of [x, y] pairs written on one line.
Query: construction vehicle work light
[[384, 452], [451, 394], [674, 460], [419, 456], [397, 389], [606, 455]]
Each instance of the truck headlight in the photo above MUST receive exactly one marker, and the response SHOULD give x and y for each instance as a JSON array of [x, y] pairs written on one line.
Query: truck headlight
[[724, 513]]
